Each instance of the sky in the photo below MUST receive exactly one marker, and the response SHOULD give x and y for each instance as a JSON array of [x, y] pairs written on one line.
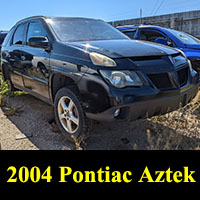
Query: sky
[[108, 10]]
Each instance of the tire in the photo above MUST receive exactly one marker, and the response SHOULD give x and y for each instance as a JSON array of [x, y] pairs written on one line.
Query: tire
[[69, 114], [11, 86]]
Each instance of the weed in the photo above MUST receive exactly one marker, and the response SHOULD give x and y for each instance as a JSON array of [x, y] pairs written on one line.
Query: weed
[[176, 130], [4, 93]]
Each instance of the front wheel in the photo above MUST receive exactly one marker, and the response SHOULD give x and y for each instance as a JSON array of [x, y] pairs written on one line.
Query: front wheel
[[69, 114]]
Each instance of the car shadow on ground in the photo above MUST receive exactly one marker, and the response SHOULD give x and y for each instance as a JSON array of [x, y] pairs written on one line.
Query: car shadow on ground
[[35, 115]]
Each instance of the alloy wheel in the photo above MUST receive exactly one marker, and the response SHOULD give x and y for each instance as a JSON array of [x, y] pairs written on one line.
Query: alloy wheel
[[68, 114]]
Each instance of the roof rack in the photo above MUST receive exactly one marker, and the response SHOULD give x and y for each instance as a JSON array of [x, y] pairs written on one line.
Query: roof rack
[[37, 16], [46, 17]]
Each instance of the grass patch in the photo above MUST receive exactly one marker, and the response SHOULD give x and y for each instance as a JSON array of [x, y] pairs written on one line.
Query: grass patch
[[4, 93], [178, 130]]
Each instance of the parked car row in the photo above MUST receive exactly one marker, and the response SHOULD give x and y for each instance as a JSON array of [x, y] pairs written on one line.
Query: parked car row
[[88, 70], [187, 43], [2, 36]]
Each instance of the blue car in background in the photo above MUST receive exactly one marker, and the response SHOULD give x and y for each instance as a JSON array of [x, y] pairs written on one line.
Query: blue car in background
[[188, 44]]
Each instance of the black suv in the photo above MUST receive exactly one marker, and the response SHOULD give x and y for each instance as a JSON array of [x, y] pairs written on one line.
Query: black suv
[[88, 70], [2, 36]]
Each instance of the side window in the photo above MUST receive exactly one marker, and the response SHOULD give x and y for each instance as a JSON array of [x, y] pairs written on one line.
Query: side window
[[8, 37], [150, 35], [19, 34], [35, 29], [154, 36]]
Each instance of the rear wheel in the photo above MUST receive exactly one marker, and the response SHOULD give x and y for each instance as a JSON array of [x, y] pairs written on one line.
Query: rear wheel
[[11, 86], [69, 114]]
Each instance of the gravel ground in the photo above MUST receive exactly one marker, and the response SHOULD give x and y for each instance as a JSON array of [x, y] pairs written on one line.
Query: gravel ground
[[177, 130]]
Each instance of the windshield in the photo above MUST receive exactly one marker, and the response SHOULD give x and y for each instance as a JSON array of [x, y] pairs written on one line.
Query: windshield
[[74, 30], [184, 37]]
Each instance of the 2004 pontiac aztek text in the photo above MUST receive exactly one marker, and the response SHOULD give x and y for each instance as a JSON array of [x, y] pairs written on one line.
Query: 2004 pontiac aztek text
[[88, 70]]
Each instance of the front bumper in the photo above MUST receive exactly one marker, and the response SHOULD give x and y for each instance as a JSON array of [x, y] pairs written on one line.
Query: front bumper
[[148, 108]]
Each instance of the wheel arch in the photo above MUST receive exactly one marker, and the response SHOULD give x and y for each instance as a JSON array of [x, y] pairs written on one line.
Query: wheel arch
[[5, 70], [60, 80]]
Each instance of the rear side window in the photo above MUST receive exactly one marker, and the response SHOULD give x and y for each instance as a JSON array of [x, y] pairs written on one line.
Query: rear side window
[[19, 34], [130, 34], [35, 29], [8, 37]]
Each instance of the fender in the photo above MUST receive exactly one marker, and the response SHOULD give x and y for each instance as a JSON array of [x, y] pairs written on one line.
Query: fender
[[5, 62], [74, 76]]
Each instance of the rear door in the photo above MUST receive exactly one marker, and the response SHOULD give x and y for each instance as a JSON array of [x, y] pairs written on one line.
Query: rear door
[[15, 56], [36, 63], [2, 36]]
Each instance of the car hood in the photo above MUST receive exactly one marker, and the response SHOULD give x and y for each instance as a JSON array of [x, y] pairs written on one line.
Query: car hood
[[193, 46], [124, 48]]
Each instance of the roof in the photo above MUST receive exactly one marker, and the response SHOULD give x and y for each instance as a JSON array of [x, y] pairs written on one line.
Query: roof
[[128, 27], [71, 18]]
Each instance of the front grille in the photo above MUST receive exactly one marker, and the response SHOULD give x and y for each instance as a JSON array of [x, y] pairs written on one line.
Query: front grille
[[145, 58], [183, 76], [161, 80]]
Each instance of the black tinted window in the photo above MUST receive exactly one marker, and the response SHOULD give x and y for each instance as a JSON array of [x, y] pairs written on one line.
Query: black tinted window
[[130, 34], [150, 35], [19, 34], [154, 36], [35, 29]]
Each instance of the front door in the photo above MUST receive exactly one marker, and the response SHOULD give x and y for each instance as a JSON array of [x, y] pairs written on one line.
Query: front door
[[36, 63]]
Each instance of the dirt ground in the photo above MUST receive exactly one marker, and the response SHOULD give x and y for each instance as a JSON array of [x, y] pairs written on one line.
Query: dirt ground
[[177, 130]]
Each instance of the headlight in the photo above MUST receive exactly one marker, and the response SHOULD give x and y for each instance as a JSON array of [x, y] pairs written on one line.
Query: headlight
[[121, 79], [178, 60], [101, 60]]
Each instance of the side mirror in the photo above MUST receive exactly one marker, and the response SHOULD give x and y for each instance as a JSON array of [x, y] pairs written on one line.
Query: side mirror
[[39, 42], [161, 41]]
